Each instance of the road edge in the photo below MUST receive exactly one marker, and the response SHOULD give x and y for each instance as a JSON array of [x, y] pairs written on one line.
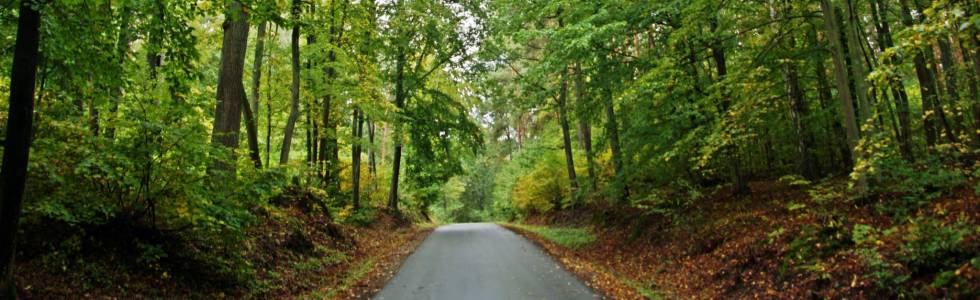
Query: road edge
[[606, 285]]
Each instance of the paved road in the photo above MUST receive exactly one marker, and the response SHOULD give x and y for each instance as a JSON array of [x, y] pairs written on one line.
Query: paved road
[[481, 261]]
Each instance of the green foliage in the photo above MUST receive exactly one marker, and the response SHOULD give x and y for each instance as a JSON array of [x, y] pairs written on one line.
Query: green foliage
[[568, 237], [933, 245]]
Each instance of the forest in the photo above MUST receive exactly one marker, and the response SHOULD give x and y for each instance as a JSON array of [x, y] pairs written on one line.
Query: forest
[[659, 149]]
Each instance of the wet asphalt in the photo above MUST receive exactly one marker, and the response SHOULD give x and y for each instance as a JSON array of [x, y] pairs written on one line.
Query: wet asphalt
[[479, 261]]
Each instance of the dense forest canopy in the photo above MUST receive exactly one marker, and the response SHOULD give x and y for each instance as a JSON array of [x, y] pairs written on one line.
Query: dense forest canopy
[[187, 118]]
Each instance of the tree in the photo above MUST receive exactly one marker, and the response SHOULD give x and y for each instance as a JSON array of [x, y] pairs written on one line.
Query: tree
[[294, 88], [231, 91], [17, 143]]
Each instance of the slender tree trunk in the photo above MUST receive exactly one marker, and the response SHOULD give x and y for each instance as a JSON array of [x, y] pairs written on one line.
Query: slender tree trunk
[[17, 143], [952, 89], [840, 75], [838, 144], [251, 133], [566, 137], [584, 128], [858, 70], [231, 92], [798, 112], [268, 120], [294, 100], [880, 8], [257, 66], [612, 131], [927, 83], [251, 108], [400, 104], [371, 152], [358, 131]]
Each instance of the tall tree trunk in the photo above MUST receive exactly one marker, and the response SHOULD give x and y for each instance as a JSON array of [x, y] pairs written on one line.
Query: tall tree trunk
[[952, 89], [358, 133], [252, 107], [840, 76], [251, 133], [838, 144], [257, 66], [566, 137], [294, 88], [584, 128], [612, 132], [879, 12], [231, 92], [859, 72], [17, 143], [927, 83], [798, 112], [371, 152], [397, 139], [268, 118]]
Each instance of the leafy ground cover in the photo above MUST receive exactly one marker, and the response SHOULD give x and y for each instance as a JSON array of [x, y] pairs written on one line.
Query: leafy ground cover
[[295, 250], [765, 245]]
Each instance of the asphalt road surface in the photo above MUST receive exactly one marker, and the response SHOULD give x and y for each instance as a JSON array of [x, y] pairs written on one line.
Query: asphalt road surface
[[481, 261]]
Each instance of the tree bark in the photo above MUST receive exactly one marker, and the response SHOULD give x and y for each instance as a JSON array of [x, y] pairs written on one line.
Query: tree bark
[[400, 104], [17, 143], [927, 83], [251, 108], [231, 92], [880, 8], [294, 100], [584, 128], [612, 131], [858, 70], [358, 132], [566, 137], [840, 75]]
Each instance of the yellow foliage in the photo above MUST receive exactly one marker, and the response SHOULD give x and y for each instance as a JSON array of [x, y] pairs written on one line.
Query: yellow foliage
[[540, 189]]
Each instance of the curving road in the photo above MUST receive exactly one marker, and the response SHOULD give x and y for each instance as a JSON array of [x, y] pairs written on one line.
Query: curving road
[[481, 261]]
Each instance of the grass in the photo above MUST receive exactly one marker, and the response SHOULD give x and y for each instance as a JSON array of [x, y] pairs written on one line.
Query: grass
[[643, 290], [565, 236], [354, 274]]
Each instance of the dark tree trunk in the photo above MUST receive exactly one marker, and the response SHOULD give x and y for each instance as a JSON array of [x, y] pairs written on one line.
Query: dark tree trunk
[[566, 137], [257, 66], [880, 8], [294, 100], [371, 152], [798, 112], [358, 132], [231, 92], [17, 143], [838, 144], [251, 133], [840, 76], [612, 131], [252, 107], [400, 104], [584, 128], [927, 84]]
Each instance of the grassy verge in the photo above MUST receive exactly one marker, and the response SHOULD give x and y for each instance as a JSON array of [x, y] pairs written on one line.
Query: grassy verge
[[570, 237]]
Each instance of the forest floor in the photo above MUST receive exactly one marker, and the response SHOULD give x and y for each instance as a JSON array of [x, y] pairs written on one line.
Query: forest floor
[[763, 245], [294, 254]]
